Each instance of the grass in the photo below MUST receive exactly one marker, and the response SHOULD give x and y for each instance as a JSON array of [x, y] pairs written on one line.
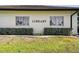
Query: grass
[[15, 44]]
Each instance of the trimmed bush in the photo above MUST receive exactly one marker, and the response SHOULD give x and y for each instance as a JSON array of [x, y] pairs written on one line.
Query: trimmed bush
[[16, 31], [57, 31]]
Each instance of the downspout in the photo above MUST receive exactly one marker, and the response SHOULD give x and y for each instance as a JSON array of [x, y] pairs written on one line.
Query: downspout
[[71, 18]]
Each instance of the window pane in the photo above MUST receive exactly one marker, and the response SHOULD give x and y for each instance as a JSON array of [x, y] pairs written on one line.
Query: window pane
[[52, 20], [78, 14], [57, 20], [78, 18], [22, 20], [60, 20]]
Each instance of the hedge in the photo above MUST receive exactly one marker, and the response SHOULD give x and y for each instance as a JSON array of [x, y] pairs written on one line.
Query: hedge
[[57, 31], [16, 31]]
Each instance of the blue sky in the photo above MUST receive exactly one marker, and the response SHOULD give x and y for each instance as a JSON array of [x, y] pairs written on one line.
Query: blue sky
[[41, 2]]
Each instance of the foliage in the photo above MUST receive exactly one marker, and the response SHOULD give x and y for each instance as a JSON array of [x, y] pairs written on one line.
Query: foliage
[[16, 31], [57, 31], [38, 44]]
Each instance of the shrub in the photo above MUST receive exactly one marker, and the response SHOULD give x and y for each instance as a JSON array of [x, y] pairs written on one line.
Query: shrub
[[57, 31], [16, 31]]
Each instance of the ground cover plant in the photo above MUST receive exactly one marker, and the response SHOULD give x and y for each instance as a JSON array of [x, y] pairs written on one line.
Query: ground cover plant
[[23, 44]]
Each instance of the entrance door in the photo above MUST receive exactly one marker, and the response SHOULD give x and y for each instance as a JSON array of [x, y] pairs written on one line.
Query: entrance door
[[38, 23], [38, 29]]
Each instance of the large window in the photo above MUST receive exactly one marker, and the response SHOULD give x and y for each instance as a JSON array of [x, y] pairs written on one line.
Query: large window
[[56, 20], [22, 20]]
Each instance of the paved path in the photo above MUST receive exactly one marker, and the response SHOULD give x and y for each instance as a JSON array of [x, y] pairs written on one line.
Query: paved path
[[32, 36]]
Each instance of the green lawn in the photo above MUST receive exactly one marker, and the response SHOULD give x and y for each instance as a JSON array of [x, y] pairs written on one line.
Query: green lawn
[[38, 44]]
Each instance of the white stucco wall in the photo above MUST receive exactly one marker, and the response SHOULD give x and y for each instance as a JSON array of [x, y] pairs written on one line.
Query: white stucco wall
[[7, 19], [74, 24]]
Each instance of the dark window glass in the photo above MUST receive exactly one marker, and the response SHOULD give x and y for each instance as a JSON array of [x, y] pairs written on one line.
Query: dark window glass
[[56, 20], [22, 20], [78, 14]]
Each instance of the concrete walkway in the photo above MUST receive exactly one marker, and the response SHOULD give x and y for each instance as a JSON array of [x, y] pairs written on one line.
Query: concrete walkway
[[40, 36]]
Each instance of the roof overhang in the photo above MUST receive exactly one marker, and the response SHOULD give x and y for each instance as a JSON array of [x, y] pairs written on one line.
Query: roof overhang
[[36, 7]]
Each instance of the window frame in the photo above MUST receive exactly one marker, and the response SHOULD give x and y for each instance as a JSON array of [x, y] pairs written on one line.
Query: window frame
[[24, 20], [56, 19]]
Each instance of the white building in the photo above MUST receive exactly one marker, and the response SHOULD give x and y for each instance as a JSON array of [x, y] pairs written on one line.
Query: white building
[[39, 17]]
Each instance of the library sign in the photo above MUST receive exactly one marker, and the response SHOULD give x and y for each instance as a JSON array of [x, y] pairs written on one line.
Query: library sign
[[39, 21]]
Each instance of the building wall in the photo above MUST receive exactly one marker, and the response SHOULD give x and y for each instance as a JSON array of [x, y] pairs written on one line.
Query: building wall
[[74, 24], [7, 19]]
